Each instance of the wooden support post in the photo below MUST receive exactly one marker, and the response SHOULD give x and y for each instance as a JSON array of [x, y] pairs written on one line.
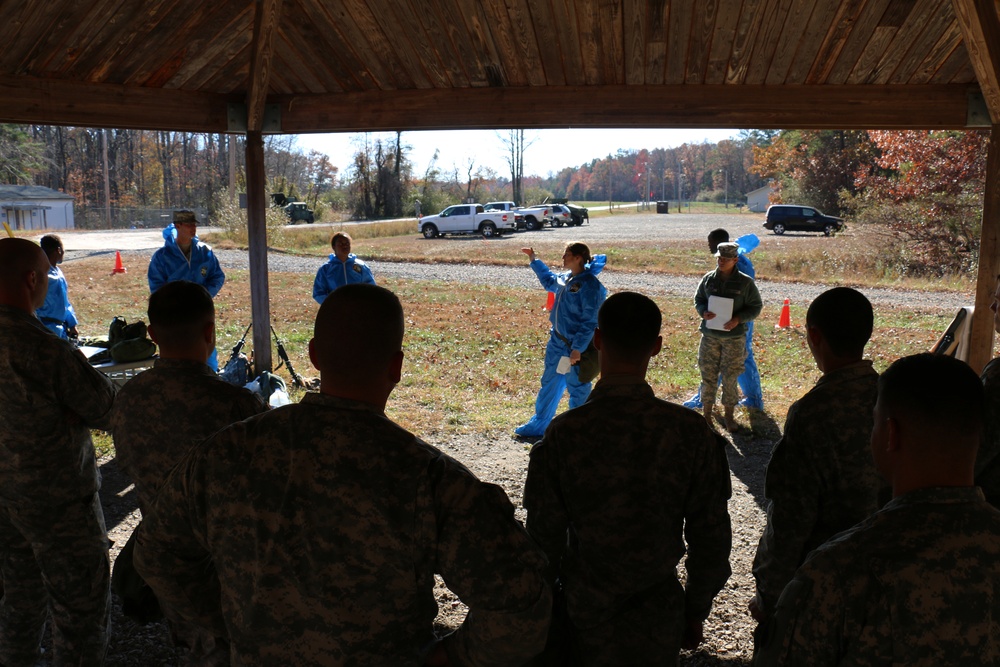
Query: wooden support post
[[260, 304], [981, 340]]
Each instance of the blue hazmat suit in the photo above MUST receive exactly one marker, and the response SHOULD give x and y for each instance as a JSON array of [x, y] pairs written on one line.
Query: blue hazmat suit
[[749, 379], [57, 312], [169, 265], [574, 318], [336, 274]]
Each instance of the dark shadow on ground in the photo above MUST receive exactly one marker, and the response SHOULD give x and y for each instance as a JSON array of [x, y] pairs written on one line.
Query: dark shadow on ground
[[750, 450], [116, 501]]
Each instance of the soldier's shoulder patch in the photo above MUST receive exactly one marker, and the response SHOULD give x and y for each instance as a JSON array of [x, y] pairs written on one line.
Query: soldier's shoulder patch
[[357, 267], [574, 288], [204, 271]]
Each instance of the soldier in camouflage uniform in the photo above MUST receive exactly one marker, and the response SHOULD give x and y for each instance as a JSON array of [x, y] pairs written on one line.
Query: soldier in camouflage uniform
[[326, 522], [914, 584], [53, 543], [722, 353], [614, 488], [821, 478], [162, 413], [988, 458]]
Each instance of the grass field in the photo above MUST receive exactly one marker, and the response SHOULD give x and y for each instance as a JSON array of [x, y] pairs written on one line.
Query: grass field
[[474, 354]]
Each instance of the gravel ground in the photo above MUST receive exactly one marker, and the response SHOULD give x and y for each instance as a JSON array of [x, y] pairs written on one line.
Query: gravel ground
[[502, 460]]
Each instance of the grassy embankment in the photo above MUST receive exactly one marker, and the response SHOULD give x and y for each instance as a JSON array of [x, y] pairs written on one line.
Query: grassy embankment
[[474, 353]]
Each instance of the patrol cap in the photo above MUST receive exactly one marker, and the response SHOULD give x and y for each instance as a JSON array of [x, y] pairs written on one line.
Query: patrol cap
[[185, 217], [728, 250]]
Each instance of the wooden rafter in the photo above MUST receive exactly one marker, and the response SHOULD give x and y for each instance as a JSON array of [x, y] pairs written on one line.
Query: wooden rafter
[[981, 32], [265, 24]]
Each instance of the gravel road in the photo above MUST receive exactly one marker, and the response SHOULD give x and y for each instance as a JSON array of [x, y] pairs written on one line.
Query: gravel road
[[647, 283]]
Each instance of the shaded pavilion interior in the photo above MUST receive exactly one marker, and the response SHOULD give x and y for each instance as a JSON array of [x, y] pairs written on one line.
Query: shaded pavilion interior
[[255, 67]]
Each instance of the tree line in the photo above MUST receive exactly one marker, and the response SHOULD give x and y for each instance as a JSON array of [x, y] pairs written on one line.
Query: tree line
[[924, 187]]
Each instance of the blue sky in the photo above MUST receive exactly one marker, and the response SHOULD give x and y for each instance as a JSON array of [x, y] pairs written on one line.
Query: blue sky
[[549, 150]]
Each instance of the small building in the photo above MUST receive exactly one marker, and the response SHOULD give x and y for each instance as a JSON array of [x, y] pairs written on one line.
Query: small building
[[758, 200], [35, 207]]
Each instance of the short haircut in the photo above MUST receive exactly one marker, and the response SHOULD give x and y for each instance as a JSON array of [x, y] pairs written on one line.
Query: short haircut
[[717, 236], [580, 250], [935, 393], [629, 323], [340, 235], [50, 243], [178, 311], [845, 318], [18, 257], [359, 328]]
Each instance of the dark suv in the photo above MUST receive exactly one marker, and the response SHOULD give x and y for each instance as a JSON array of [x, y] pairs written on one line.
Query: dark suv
[[781, 217]]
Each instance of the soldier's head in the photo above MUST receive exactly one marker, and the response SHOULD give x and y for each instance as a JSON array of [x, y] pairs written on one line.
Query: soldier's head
[[628, 333], [182, 321], [839, 324], [928, 420], [341, 244], [357, 343], [52, 246], [715, 237], [24, 274]]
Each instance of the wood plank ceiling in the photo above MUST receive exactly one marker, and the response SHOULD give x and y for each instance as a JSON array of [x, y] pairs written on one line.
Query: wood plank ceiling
[[348, 65]]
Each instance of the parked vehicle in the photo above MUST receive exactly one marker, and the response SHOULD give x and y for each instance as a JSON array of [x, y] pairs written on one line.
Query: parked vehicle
[[561, 216], [467, 219], [535, 217], [791, 217], [577, 213], [297, 211]]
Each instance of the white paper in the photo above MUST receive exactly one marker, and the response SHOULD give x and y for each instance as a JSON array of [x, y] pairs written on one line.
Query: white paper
[[564, 366], [723, 308]]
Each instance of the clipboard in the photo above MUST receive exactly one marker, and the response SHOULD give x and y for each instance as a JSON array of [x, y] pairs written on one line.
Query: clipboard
[[722, 306]]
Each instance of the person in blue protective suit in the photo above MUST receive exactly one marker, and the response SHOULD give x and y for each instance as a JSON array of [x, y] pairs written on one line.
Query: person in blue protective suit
[[344, 268], [57, 312], [184, 257], [749, 379], [578, 297]]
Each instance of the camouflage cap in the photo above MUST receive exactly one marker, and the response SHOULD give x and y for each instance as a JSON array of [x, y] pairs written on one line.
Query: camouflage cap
[[185, 217], [728, 250]]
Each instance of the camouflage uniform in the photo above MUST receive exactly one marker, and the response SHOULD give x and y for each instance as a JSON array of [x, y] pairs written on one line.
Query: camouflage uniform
[[722, 354], [821, 478], [162, 413], [915, 584], [613, 490], [324, 523], [158, 417], [53, 542], [988, 458]]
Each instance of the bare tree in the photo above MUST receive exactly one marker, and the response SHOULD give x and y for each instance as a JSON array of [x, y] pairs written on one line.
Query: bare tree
[[514, 144]]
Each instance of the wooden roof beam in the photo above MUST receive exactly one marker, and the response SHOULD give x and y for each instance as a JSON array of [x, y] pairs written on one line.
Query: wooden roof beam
[[670, 106], [981, 33], [60, 102], [265, 24]]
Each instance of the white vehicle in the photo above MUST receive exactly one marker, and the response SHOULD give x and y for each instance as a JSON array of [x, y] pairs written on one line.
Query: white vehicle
[[535, 217], [467, 219]]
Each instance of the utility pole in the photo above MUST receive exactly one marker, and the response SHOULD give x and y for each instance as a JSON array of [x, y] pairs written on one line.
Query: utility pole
[[107, 177]]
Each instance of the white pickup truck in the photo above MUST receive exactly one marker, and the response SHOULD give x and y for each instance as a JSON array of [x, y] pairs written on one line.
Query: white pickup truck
[[467, 219], [535, 217]]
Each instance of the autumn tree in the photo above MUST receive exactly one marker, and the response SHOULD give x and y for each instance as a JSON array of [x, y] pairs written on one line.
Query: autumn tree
[[814, 167], [927, 189]]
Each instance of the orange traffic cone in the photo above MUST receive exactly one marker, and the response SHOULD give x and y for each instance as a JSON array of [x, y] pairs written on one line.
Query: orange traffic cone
[[784, 320], [119, 267], [550, 301]]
